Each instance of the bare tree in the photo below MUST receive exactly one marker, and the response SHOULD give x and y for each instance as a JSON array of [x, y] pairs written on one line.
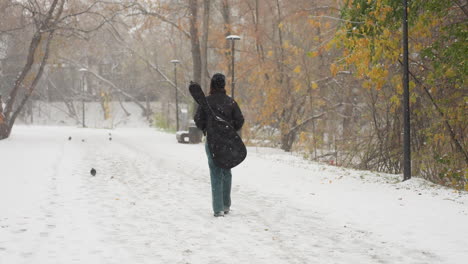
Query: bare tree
[[45, 24], [48, 19]]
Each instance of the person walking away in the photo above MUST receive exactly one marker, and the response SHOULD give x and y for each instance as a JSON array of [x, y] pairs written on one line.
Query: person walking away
[[228, 109]]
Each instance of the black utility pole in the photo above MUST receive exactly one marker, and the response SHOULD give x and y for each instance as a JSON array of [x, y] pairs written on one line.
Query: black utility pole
[[406, 104], [83, 71], [176, 93], [233, 83], [232, 38], [83, 97]]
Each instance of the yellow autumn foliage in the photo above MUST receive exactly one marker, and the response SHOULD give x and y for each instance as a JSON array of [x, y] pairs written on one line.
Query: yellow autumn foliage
[[297, 69]]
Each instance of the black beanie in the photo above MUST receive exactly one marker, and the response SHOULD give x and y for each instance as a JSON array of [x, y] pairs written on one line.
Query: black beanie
[[218, 82]]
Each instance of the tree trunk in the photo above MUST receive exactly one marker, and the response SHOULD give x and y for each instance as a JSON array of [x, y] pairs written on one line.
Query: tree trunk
[[280, 63], [35, 81], [347, 132], [19, 81], [259, 45], [2, 120], [287, 141], [195, 41], [226, 12], [4, 130], [204, 45]]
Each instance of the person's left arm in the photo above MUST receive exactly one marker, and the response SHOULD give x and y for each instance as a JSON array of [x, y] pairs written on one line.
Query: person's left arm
[[200, 119]]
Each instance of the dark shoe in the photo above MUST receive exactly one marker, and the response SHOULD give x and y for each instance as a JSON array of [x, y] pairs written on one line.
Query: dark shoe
[[219, 214], [226, 211]]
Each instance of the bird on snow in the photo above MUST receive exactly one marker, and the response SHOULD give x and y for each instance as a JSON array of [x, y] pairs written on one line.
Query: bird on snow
[[69, 138], [93, 172], [110, 139]]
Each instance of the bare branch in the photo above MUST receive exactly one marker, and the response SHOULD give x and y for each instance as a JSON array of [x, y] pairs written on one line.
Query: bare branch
[[162, 18], [111, 84], [463, 7], [308, 120], [338, 19], [149, 63]]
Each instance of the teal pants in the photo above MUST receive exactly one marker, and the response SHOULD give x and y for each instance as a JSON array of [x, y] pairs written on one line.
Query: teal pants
[[220, 185]]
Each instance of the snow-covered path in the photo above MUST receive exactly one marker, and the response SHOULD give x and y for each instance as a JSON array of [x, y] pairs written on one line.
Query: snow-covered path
[[150, 203]]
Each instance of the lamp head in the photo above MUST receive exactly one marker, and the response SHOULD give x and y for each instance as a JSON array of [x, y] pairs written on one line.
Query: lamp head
[[233, 37]]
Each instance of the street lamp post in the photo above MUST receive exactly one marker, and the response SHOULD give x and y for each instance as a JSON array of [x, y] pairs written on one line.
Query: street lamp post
[[175, 62], [83, 70], [406, 104], [232, 38]]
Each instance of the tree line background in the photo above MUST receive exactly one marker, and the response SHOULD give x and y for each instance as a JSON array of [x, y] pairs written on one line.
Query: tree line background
[[318, 77]]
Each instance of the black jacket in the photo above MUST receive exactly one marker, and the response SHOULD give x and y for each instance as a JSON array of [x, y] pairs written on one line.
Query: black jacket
[[224, 107]]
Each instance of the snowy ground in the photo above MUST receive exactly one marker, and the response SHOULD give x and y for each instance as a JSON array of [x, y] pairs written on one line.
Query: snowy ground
[[150, 203]]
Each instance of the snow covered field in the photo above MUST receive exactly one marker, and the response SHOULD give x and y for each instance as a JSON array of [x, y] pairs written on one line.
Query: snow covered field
[[150, 203]]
